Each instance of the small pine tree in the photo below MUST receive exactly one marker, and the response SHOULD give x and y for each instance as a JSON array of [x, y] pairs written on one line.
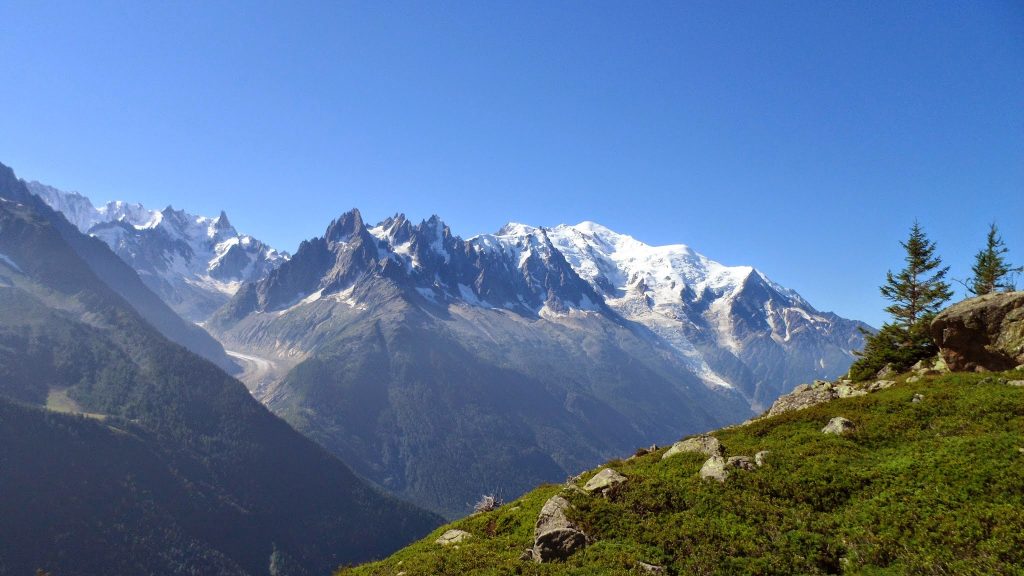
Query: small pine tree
[[917, 294], [992, 273]]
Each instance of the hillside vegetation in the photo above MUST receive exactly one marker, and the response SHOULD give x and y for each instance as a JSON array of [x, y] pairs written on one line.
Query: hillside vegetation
[[926, 487]]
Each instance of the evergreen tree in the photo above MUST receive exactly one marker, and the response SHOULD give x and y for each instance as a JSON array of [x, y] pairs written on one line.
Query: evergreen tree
[[917, 294], [992, 272]]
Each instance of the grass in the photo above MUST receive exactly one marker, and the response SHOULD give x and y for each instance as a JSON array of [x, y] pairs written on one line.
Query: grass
[[934, 487], [57, 399]]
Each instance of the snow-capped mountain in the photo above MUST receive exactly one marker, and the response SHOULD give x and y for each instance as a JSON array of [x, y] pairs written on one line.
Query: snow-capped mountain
[[549, 347], [194, 263], [714, 315]]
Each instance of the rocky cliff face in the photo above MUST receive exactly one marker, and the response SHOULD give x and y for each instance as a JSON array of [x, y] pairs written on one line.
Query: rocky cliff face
[[194, 263]]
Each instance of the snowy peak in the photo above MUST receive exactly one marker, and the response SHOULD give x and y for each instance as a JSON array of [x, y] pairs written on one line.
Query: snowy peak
[[195, 263]]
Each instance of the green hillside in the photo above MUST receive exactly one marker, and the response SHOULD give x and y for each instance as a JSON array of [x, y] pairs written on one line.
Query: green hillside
[[934, 486]]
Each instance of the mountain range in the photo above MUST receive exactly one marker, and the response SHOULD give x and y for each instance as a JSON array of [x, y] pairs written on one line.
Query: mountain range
[[443, 367], [194, 263], [440, 367], [124, 452]]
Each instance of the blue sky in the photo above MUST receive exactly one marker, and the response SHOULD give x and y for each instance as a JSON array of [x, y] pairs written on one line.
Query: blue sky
[[801, 138]]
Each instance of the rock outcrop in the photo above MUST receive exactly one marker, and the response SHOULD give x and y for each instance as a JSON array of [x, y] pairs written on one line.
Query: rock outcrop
[[604, 481], [453, 537], [719, 467], [703, 444], [807, 395], [555, 537], [982, 334], [838, 426]]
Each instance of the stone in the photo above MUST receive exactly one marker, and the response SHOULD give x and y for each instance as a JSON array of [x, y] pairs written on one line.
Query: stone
[[985, 333], [800, 388], [881, 385], [847, 391], [527, 555], [714, 469], [761, 457], [703, 444], [1018, 383], [650, 568], [604, 480], [555, 537], [838, 426], [887, 371], [453, 537], [914, 378], [917, 398], [803, 399], [740, 462]]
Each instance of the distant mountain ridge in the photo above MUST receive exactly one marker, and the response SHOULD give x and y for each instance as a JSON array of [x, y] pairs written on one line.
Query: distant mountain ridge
[[194, 263], [552, 347]]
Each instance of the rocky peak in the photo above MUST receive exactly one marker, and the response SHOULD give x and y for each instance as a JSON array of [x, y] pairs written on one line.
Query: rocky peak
[[345, 227]]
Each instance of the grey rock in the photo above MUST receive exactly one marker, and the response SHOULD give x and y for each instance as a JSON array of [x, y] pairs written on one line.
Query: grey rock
[[527, 555], [604, 480], [740, 462], [985, 333], [714, 469], [914, 378], [703, 444], [802, 399], [847, 391], [881, 385], [453, 537], [761, 457], [1018, 383], [650, 568], [886, 371], [838, 426], [555, 537], [917, 398]]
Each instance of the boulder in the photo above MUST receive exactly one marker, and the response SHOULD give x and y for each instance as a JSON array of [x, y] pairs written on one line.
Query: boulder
[[917, 398], [453, 537], [740, 462], [1018, 383], [802, 397], [881, 385], [555, 537], [982, 334], [604, 480], [761, 457], [847, 391], [719, 467], [838, 426], [714, 469], [651, 568], [887, 371], [703, 444]]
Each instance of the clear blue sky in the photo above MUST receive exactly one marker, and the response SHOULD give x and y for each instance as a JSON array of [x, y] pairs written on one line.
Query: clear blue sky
[[801, 138]]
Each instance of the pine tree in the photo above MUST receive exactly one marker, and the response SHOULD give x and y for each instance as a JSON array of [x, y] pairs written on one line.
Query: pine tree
[[917, 294], [992, 272]]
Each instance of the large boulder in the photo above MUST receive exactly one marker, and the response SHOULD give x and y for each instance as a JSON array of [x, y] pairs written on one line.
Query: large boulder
[[604, 480], [703, 444], [983, 333], [555, 537], [453, 537], [804, 396], [838, 426]]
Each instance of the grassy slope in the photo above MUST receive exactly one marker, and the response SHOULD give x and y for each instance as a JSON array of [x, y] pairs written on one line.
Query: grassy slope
[[935, 487]]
